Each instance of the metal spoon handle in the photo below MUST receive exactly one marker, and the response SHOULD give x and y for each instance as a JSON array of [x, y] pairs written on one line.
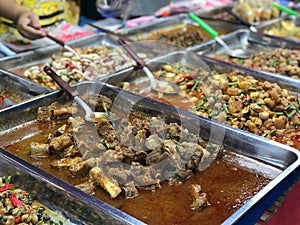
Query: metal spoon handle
[[108, 31], [239, 18], [131, 52], [64, 85], [102, 29], [243, 21], [149, 74], [58, 41], [221, 42], [63, 44]]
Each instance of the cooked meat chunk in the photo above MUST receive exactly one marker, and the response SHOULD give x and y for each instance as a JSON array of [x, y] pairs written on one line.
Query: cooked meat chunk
[[87, 187], [39, 149], [153, 142], [59, 143], [82, 168], [130, 190], [107, 183], [99, 103], [199, 198], [77, 123], [65, 162], [44, 114], [106, 131]]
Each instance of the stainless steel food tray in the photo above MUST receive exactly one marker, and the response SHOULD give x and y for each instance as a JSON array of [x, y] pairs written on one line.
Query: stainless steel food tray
[[263, 27], [43, 55], [168, 23], [279, 160], [130, 75], [221, 14], [245, 39], [39, 57], [250, 41], [69, 203], [18, 86], [218, 14]]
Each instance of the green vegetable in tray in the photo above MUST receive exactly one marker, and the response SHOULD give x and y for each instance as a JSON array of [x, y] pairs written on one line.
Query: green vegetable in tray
[[17, 206]]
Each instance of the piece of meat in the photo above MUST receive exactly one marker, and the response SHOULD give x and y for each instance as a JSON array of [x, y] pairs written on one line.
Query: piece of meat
[[194, 154], [87, 187], [44, 114], [39, 149], [77, 123], [106, 131], [63, 112], [130, 190], [199, 198], [140, 139], [65, 162], [153, 142], [58, 144], [83, 167], [107, 183]]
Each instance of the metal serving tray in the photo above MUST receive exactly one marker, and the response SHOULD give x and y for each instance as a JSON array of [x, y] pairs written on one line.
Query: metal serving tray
[[280, 163], [132, 75], [43, 55], [263, 27], [218, 14], [250, 41], [73, 207], [245, 39], [222, 13], [21, 88], [164, 25]]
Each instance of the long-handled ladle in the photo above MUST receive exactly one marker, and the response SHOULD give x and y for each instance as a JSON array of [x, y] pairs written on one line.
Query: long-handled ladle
[[160, 86], [235, 53], [63, 44], [90, 115]]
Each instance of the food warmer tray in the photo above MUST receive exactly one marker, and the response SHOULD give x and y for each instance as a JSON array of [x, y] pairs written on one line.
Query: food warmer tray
[[277, 24], [218, 14], [72, 206], [250, 41], [245, 39], [167, 24], [222, 13], [133, 75], [43, 55], [18, 89], [281, 162], [136, 80]]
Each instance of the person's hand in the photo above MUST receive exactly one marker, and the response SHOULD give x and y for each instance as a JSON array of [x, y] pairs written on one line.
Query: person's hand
[[28, 25]]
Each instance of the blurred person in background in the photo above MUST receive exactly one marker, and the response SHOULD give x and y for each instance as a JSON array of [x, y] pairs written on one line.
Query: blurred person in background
[[26, 22], [49, 14]]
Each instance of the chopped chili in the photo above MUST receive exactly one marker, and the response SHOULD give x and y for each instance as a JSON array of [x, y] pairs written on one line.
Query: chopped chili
[[15, 201], [6, 187]]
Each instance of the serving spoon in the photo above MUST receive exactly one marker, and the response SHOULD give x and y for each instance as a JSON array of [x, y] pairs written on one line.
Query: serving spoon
[[160, 86], [235, 53], [240, 19], [90, 115], [108, 31], [63, 44]]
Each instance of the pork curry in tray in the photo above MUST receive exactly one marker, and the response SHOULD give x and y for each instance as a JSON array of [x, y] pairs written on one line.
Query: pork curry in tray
[[151, 169]]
